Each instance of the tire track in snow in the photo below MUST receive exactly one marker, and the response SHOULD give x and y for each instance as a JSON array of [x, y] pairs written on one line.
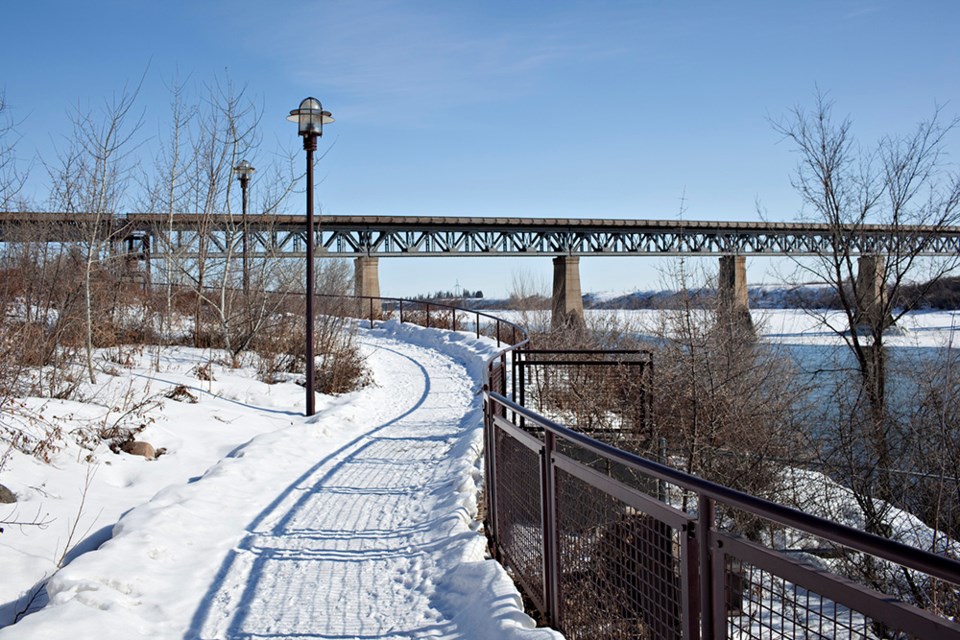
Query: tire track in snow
[[351, 552]]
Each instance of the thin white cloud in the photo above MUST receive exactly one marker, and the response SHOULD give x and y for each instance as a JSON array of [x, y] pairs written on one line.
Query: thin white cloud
[[392, 53], [861, 9]]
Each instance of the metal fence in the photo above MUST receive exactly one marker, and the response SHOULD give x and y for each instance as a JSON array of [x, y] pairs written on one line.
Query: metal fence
[[600, 557], [436, 314], [424, 313]]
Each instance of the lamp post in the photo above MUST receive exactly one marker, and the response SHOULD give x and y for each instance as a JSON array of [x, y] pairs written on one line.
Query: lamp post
[[244, 170], [310, 118]]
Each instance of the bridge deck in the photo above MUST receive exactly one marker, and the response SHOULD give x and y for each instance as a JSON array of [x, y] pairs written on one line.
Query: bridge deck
[[284, 235]]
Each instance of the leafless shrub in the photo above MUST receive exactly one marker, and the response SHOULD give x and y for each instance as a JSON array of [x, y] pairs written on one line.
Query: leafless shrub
[[531, 298], [342, 368], [180, 393], [724, 406], [204, 372], [280, 348], [729, 407], [28, 431]]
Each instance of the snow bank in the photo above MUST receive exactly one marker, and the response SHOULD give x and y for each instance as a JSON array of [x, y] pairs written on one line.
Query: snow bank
[[185, 563]]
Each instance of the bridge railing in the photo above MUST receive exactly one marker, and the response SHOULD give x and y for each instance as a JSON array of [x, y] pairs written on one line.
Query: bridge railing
[[602, 556]]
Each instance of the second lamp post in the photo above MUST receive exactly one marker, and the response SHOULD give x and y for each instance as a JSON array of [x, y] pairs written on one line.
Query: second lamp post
[[244, 170], [310, 118]]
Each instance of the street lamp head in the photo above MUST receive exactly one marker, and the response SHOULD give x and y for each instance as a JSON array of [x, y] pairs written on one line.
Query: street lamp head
[[310, 117], [244, 170]]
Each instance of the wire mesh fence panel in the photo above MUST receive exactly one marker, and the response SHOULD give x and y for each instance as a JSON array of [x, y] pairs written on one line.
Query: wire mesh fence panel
[[608, 541], [498, 378], [603, 464], [602, 394], [770, 596], [762, 605], [619, 567], [519, 514]]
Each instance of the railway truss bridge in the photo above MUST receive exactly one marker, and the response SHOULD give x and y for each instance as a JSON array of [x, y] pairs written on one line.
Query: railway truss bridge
[[147, 237]]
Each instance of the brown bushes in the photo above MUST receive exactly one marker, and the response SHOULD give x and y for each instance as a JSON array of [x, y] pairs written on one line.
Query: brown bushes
[[43, 330]]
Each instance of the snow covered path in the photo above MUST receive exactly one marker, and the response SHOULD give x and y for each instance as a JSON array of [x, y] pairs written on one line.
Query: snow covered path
[[376, 540], [351, 549]]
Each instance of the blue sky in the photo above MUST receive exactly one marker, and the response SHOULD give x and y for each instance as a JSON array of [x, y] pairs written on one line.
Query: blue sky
[[494, 108]]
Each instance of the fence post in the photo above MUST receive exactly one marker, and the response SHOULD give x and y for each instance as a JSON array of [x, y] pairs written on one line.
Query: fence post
[[690, 593], [661, 484], [551, 564], [705, 518], [490, 463], [503, 368], [478, 325], [513, 377], [520, 372]]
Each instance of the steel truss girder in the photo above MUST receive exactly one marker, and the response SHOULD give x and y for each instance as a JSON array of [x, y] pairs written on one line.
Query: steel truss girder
[[221, 236], [398, 243]]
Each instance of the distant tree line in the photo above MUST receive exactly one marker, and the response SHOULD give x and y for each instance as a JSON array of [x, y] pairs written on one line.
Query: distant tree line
[[939, 294], [451, 295]]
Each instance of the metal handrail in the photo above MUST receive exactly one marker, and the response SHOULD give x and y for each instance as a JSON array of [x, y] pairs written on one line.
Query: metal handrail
[[935, 565], [516, 330]]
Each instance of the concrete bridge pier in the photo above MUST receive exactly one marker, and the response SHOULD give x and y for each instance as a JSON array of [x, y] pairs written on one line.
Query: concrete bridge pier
[[366, 276], [137, 251], [871, 293], [567, 297], [366, 283], [733, 307]]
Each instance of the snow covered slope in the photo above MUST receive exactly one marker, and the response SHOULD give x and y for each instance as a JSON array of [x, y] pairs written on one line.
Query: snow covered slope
[[358, 522]]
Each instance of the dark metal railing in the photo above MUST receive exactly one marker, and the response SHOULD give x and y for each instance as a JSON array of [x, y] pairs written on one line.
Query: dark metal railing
[[374, 308], [599, 557]]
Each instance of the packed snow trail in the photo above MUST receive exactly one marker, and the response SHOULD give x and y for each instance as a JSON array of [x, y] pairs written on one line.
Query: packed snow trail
[[377, 540], [353, 549]]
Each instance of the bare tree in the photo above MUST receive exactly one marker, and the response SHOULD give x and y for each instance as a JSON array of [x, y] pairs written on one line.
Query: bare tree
[[91, 177], [530, 296], [11, 178], [166, 188], [193, 173], [903, 182], [865, 437]]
